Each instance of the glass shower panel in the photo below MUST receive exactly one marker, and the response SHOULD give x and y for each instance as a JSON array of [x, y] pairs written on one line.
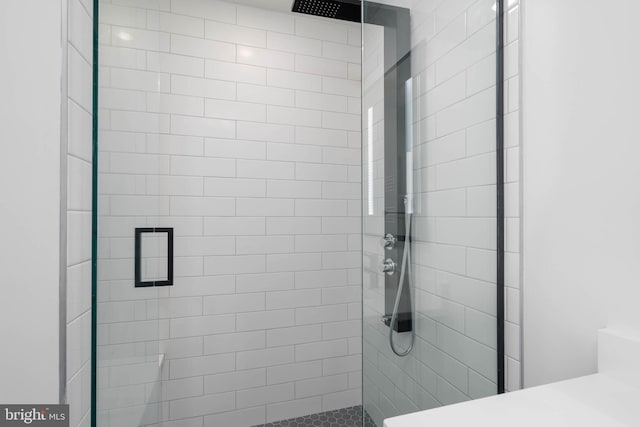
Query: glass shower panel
[[229, 143], [429, 205], [133, 205]]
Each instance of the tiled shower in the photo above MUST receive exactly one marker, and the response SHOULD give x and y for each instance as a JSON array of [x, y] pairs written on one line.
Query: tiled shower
[[240, 129], [258, 137]]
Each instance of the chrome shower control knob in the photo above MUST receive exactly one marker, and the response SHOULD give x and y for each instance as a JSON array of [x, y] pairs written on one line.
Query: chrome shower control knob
[[389, 241], [389, 267]]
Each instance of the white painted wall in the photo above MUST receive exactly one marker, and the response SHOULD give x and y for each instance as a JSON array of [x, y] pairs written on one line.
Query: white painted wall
[[30, 189], [581, 181]]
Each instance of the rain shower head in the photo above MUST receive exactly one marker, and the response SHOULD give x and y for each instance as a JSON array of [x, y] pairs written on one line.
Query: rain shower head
[[347, 10]]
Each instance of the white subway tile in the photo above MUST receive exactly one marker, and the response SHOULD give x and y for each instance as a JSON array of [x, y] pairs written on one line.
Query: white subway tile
[[340, 190], [133, 121], [203, 286], [119, 99], [265, 132], [202, 206], [204, 405], [293, 189], [294, 372], [222, 304], [320, 386], [267, 20], [230, 343], [321, 314], [318, 29], [234, 187], [179, 307], [341, 156], [335, 86], [293, 225], [235, 34], [175, 64], [234, 264], [264, 245], [233, 110], [265, 169], [293, 80], [340, 365], [293, 262], [193, 86], [182, 347], [178, 104], [264, 395], [295, 44], [222, 226], [264, 207], [201, 48], [265, 320], [182, 388], [240, 418], [320, 279], [342, 52], [321, 66], [232, 72], [333, 401], [119, 15], [214, 10], [293, 116], [175, 23], [320, 172], [321, 208], [293, 409], [203, 365], [233, 381], [341, 295], [264, 358], [293, 299], [234, 149], [264, 58], [337, 330], [320, 243], [115, 56], [291, 152], [264, 282], [264, 94], [197, 126], [321, 101], [140, 39], [201, 325], [321, 350]]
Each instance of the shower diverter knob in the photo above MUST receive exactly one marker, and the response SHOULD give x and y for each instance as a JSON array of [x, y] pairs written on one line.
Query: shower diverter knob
[[389, 241], [388, 266]]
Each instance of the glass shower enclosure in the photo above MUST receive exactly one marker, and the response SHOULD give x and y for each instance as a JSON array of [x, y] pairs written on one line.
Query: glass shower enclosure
[[298, 216]]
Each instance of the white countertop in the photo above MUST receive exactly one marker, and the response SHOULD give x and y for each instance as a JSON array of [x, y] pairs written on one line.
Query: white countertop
[[597, 400]]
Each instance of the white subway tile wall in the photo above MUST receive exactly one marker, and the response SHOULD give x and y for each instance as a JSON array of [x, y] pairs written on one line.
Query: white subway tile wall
[[240, 128], [79, 41], [454, 248]]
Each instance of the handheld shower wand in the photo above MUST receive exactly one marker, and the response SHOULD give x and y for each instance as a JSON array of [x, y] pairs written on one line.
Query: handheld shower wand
[[405, 268]]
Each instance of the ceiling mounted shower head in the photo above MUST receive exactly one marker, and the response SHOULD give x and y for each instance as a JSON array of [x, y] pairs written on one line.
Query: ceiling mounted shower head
[[347, 10]]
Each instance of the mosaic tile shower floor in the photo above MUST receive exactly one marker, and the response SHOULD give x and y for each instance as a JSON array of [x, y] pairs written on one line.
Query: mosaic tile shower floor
[[347, 417]]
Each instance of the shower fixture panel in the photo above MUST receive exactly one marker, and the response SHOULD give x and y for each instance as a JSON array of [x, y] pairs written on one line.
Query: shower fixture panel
[[346, 10]]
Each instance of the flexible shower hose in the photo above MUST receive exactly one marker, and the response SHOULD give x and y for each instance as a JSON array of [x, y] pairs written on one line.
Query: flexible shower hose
[[404, 271]]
